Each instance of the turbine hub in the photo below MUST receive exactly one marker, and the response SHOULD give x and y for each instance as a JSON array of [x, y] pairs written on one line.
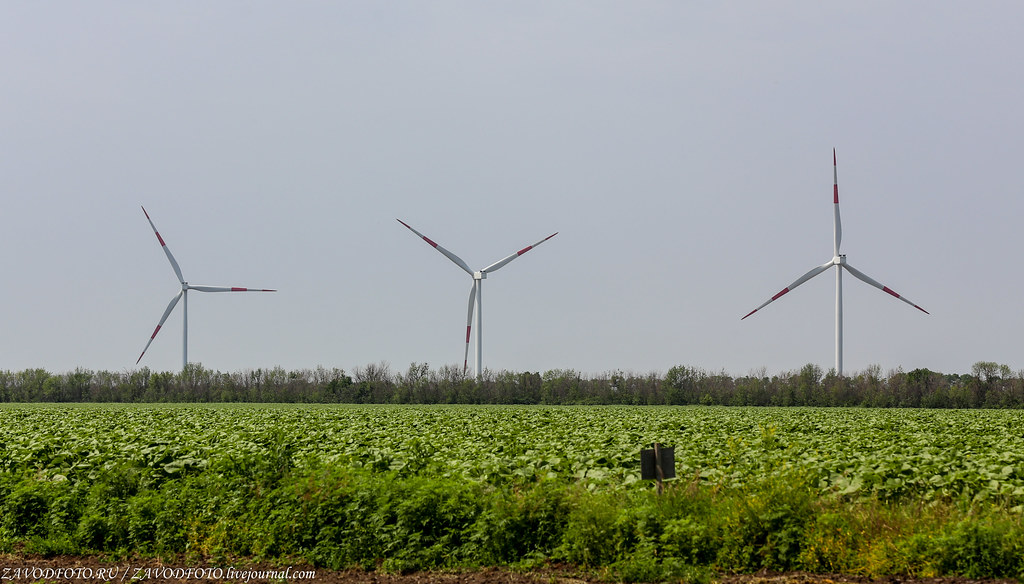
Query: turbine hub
[[839, 260], [479, 275]]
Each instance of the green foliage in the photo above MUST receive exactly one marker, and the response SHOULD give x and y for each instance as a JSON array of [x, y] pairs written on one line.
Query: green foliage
[[989, 385], [522, 524], [24, 508], [644, 565], [591, 537], [889, 455], [765, 527], [868, 492], [978, 547], [155, 521], [980, 550]]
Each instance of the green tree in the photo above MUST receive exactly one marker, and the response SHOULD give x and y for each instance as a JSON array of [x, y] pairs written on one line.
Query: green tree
[[682, 385]]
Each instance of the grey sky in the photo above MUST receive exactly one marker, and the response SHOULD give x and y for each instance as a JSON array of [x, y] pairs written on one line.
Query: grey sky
[[682, 150]]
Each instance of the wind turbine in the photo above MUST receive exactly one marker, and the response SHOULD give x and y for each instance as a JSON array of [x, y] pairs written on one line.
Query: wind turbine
[[183, 295], [475, 293], [839, 261]]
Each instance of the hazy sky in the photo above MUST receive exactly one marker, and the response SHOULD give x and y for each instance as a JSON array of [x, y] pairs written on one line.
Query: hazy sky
[[682, 150]]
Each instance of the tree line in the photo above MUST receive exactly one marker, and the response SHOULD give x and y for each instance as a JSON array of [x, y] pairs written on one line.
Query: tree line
[[989, 385]]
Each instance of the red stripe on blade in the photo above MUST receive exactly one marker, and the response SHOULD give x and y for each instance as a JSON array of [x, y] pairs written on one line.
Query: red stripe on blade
[[886, 289], [234, 289], [467, 334], [777, 296], [524, 250], [835, 175]]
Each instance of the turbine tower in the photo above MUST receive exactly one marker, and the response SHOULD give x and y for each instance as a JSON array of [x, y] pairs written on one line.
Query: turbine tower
[[476, 292], [183, 295], [839, 261]]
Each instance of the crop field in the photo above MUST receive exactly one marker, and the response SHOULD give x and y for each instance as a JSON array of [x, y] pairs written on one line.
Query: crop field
[[928, 454], [293, 481]]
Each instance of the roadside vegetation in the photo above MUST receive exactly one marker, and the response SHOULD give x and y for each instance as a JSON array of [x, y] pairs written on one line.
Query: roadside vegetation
[[859, 491], [988, 385]]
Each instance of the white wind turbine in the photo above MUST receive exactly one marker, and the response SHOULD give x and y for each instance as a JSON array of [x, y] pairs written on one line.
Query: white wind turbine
[[183, 295], [475, 293], [839, 261]]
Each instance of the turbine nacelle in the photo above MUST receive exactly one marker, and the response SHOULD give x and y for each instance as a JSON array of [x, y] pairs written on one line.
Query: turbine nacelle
[[479, 275], [839, 260]]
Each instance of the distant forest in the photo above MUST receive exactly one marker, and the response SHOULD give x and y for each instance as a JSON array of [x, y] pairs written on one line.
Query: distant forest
[[989, 385]]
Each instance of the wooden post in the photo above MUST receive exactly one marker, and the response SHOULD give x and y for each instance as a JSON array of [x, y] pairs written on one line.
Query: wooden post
[[657, 466]]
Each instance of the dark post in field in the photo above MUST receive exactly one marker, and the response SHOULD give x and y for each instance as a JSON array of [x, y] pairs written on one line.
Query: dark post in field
[[658, 464]]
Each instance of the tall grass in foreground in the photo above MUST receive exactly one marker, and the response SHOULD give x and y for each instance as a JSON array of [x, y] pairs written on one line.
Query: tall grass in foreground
[[262, 507]]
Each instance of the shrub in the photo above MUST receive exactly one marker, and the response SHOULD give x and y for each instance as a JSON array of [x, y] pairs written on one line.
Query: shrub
[[764, 524], [975, 549], [521, 524], [590, 538], [24, 509]]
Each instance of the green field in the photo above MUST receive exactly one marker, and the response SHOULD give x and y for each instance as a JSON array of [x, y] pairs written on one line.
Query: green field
[[400, 487]]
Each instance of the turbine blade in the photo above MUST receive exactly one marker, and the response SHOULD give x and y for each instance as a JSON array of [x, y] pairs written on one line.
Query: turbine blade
[[163, 319], [796, 283], [837, 223], [494, 267], [174, 263], [864, 277], [227, 289], [458, 261], [469, 326]]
